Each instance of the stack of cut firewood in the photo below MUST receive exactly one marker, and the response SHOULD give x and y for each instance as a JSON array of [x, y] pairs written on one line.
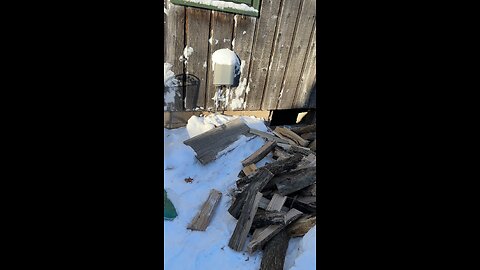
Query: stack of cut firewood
[[277, 201]]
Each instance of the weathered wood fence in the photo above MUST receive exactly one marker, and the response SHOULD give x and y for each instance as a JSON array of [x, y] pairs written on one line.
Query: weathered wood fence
[[277, 52]]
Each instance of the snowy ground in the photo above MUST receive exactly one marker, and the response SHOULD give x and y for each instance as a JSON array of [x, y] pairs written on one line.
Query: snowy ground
[[193, 250]]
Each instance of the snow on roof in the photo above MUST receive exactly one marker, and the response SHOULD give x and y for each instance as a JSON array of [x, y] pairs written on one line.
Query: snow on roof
[[223, 4], [225, 57]]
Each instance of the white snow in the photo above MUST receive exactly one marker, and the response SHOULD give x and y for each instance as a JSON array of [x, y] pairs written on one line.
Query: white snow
[[224, 57], [223, 4], [187, 52], [193, 250], [244, 32], [205, 64], [167, 73]]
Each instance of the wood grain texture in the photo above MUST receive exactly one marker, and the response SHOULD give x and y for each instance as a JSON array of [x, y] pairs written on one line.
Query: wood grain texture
[[275, 204], [267, 136], [197, 39], [262, 237], [175, 31], [304, 129], [307, 81], [202, 219], [239, 236], [242, 43], [292, 136], [275, 251], [296, 180], [208, 144], [249, 169], [301, 226], [281, 49], [262, 49], [221, 37], [259, 154], [298, 53]]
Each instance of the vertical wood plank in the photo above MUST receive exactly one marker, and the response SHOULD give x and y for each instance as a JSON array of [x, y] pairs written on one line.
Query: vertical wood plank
[[262, 48], [281, 48], [220, 37], [242, 43], [174, 36], [308, 78], [197, 22], [298, 53]]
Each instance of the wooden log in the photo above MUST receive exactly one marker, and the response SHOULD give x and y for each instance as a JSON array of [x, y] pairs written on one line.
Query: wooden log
[[256, 184], [259, 154], [202, 219], [267, 136], [249, 169], [308, 161], [258, 175], [208, 144], [292, 136], [309, 191], [301, 205], [297, 180], [305, 129], [279, 154], [265, 218], [309, 136], [279, 135], [264, 202], [275, 252], [239, 236], [263, 236], [293, 176], [275, 204], [313, 145], [292, 149], [280, 166], [301, 226]]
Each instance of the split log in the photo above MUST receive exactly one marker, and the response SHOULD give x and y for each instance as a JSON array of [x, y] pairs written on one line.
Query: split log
[[275, 252], [296, 180], [202, 219], [256, 184], [305, 129], [292, 136], [267, 136], [290, 141], [239, 236], [265, 218], [269, 232], [264, 202], [309, 191], [292, 177], [279, 153], [293, 149], [313, 145], [258, 175], [309, 136], [308, 161], [259, 154], [250, 169], [301, 226], [280, 166], [301, 205]]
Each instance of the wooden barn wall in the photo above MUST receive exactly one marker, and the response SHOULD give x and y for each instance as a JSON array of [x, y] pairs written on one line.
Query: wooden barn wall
[[277, 50]]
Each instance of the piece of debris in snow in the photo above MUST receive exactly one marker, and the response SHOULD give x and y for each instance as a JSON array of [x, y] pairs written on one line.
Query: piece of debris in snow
[[169, 211], [207, 145], [202, 219], [188, 180]]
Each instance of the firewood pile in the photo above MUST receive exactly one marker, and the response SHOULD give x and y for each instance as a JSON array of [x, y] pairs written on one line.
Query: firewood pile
[[277, 201]]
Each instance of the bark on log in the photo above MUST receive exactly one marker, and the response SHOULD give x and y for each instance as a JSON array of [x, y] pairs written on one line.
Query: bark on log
[[239, 236], [275, 252], [261, 178], [297, 180], [265, 218], [305, 129], [313, 146], [309, 191], [305, 207], [279, 153]]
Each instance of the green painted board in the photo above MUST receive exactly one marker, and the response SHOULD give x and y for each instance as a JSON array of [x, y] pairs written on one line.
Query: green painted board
[[169, 211]]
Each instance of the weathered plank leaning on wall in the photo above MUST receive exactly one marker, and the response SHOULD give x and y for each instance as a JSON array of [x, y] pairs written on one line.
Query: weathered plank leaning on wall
[[277, 51]]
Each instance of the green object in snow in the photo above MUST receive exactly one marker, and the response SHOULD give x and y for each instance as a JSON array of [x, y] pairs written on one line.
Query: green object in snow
[[169, 212]]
